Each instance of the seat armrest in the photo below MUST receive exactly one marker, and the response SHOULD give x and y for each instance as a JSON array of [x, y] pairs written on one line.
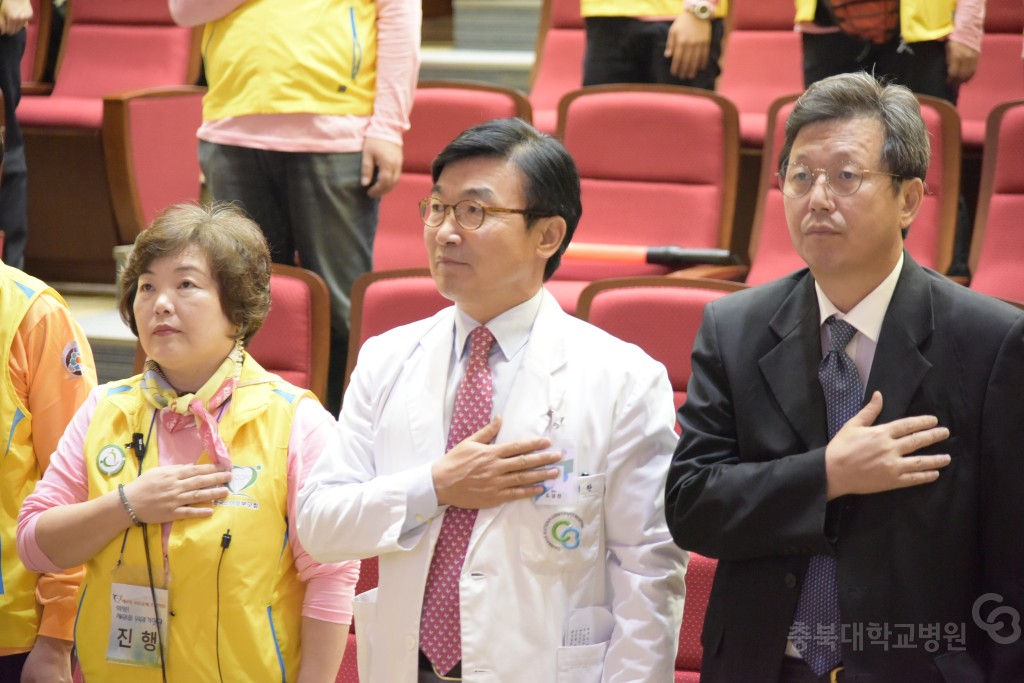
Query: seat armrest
[[150, 146], [734, 273]]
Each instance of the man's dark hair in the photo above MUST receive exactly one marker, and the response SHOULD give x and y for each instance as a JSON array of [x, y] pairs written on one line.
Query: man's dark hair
[[552, 183], [906, 150]]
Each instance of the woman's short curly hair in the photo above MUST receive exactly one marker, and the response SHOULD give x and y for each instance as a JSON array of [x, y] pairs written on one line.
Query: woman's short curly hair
[[237, 252]]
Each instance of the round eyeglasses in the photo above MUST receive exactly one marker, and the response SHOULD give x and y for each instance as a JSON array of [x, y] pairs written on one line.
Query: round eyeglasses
[[469, 213], [843, 178]]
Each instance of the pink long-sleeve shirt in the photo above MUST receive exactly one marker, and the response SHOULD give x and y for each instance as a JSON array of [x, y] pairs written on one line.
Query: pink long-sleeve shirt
[[329, 587], [398, 64]]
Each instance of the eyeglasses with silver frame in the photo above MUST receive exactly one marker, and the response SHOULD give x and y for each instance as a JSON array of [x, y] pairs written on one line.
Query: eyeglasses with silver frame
[[843, 178]]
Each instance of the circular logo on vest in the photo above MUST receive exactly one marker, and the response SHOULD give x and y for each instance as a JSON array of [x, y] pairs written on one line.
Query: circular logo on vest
[[563, 531], [110, 460], [72, 357]]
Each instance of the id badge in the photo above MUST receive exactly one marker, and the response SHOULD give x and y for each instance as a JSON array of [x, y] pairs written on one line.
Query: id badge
[[133, 626], [561, 491]]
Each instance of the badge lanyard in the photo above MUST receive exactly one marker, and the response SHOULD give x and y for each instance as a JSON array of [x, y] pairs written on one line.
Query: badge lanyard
[[129, 600]]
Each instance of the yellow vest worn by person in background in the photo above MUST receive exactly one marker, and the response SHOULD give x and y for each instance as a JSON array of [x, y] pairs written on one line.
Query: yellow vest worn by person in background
[[292, 57], [920, 20], [19, 469], [640, 8], [258, 593]]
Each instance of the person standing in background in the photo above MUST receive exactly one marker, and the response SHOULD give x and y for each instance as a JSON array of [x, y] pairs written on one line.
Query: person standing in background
[[930, 46], [302, 127], [50, 372], [14, 16], [673, 42]]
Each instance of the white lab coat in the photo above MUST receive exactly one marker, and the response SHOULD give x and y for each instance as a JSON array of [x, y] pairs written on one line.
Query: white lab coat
[[606, 402]]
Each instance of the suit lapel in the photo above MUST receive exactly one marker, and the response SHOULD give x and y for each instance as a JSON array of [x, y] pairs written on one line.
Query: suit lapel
[[791, 367], [899, 366]]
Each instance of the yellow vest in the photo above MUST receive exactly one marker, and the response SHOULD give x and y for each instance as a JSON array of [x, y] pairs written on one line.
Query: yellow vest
[[292, 56], [19, 469], [640, 8], [920, 20], [260, 593]]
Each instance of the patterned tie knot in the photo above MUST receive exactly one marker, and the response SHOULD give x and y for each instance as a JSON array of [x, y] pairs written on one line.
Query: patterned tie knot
[[842, 333], [480, 343]]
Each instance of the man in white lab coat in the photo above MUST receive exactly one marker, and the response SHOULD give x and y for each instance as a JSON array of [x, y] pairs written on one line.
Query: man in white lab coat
[[569, 572]]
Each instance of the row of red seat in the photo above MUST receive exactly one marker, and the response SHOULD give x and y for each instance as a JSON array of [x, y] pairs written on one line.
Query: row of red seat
[[659, 168], [763, 60]]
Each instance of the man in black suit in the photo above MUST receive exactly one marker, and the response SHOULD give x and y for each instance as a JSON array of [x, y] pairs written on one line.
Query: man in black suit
[[884, 546]]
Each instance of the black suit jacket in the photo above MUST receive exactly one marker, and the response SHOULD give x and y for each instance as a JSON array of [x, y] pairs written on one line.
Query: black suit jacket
[[747, 485]]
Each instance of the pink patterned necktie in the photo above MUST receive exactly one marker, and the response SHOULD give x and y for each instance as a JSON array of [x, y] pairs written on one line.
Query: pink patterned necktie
[[440, 632]]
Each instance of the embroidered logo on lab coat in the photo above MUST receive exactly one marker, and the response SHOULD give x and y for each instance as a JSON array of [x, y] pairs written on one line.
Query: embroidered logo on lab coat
[[563, 531]]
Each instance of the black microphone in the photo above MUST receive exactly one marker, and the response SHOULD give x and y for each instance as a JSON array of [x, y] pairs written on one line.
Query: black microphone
[[139, 446]]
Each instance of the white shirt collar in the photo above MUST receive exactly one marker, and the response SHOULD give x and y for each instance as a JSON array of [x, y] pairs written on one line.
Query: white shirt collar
[[511, 329], [868, 314]]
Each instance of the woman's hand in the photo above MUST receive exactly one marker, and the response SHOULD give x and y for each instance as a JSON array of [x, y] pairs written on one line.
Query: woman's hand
[[164, 494]]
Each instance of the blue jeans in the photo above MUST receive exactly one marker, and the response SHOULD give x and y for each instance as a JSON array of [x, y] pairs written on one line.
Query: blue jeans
[[311, 204]]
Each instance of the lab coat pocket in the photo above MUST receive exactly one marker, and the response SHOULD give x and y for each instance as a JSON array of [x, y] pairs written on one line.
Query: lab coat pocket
[[557, 538], [364, 615], [580, 664]]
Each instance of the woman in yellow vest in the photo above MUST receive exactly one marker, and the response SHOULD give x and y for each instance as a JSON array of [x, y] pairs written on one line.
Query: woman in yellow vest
[[177, 487]]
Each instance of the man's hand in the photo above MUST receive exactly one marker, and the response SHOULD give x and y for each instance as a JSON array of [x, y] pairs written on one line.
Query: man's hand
[[50, 658], [14, 16], [384, 156], [688, 45], [479, 474], [862, 458], [961, 62]]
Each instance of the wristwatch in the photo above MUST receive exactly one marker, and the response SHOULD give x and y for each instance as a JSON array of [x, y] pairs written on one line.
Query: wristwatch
[[702, 9]]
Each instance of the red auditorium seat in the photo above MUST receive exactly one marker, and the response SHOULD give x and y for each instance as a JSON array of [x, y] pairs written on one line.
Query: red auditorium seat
[[661, 315], [630, 143], [385, 299], [558, 66], [114, 142], [1000, 75], [294, 341], [930, 240], [763, 61], [997, 247], [441, 110]]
